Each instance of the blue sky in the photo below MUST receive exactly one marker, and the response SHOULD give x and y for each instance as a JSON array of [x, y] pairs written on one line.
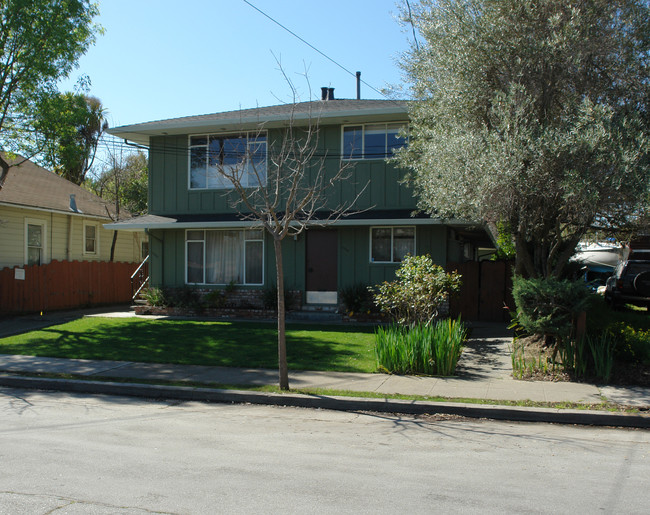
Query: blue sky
[[167, 58]]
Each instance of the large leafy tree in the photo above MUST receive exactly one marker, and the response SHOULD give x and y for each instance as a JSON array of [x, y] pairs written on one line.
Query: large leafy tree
[[68, 128], [40, 42], [532, 114]]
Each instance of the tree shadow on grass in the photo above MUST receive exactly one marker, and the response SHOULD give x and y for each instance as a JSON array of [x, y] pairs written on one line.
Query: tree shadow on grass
[[230, 344]]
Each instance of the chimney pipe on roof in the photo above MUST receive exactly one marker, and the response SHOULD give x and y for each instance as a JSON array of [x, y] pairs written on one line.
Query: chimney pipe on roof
[[358, 85], [327, 93]]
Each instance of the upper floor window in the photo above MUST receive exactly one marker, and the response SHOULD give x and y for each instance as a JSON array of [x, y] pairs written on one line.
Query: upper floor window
[[372, 141], [214, 157]]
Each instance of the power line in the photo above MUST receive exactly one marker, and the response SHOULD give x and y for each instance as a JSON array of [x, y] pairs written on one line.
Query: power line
[[313, 47]]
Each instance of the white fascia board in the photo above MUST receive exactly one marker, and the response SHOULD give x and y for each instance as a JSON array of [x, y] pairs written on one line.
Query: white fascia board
[[251, 223], [179, 225], [140, 133], [384, 221]]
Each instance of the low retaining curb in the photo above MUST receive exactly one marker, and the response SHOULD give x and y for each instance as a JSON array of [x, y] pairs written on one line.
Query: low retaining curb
[[495, 412]]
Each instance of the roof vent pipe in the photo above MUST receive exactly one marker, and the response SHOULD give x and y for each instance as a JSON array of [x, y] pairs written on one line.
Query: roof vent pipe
[[358, 85], [330, 94]]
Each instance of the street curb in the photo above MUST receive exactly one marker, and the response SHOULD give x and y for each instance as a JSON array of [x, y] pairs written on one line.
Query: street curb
[[495, 412]]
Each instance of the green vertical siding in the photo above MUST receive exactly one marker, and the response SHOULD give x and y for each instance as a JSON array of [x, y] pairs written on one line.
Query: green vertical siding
[[293, 259], [167, 267], [354, 254], [374, 183], [156, 260], [354, 266]]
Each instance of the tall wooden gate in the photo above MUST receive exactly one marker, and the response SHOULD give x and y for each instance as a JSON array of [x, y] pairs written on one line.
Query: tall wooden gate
[[486, 292]]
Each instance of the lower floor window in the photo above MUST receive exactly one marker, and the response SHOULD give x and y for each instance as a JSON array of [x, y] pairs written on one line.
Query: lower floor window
[[35, 243], [225, 256], [391, 244], [90, 239]]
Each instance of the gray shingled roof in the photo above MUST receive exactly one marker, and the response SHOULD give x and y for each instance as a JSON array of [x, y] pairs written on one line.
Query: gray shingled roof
[[322, 111], [29, 185]]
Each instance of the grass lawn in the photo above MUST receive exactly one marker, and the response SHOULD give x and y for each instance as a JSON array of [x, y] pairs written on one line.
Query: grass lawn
[[230, 344]]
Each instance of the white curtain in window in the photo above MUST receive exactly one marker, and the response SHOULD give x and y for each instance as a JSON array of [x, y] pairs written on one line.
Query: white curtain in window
[[223, 256], [403, 243]]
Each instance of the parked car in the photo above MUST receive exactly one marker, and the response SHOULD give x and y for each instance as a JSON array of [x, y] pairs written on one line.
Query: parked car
[[630, 284]]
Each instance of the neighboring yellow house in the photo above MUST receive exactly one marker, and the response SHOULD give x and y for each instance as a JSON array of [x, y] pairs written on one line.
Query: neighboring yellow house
[[44, 217]]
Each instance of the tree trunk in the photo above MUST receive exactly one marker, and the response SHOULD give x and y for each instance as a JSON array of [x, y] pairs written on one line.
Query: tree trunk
[[113, 246], [4, 170], [282, 343], [523, 262]]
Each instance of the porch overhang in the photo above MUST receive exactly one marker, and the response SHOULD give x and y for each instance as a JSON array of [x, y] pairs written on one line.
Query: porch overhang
[[235, 221]]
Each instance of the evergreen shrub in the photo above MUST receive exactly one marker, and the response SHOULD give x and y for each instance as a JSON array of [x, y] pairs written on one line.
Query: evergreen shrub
[[419, 291]]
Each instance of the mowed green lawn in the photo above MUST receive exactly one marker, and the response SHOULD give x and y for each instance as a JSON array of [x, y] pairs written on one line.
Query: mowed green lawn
[[230, 344]]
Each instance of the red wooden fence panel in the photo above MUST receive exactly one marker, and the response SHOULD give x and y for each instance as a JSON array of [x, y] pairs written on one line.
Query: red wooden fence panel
[[65, 285]]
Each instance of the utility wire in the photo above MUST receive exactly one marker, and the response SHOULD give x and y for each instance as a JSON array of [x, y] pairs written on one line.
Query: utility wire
[[312, 47]]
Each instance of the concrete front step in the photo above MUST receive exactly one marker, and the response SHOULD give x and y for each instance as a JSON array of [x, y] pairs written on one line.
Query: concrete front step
[[319, 308]]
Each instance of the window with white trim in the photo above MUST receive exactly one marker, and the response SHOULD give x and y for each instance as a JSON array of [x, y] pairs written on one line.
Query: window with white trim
[[241, 155], [35, 238], [91, 239], [372, 141], [391, 244], [224, 256]]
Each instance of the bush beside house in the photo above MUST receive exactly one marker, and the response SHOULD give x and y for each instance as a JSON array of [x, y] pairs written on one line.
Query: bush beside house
[[564, 330]]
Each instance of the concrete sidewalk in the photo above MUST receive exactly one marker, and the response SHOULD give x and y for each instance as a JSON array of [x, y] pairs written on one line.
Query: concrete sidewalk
[[484, 373]]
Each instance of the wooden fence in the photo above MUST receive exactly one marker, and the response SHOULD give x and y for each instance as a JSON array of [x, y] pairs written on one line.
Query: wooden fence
[[64, 285], [486, 293]]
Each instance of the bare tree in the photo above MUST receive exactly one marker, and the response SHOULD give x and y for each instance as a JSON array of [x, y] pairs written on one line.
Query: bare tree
[[289, 194], [124, 184]]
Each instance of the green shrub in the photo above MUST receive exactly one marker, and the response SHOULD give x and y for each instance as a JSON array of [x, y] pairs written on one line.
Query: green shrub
[[154, 297], [612, 337], [432, 349], [356, 298], [185, 297], [215, 299], [270, 298], [630, 330], [419, 291], [550, 306], [632, 344]]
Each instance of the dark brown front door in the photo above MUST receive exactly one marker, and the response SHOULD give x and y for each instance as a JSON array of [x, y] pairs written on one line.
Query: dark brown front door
[[322, 257]]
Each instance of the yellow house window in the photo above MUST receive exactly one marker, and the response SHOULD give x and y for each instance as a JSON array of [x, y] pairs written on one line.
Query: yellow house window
[[90, 239]]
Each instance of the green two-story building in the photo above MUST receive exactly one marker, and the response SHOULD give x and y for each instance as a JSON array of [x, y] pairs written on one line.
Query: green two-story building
[[198, 238]]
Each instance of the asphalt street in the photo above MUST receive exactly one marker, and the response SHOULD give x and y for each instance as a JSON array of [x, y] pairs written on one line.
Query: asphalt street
[[73, 453]]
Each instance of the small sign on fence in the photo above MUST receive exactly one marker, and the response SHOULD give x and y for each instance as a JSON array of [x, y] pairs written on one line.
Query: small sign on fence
[[19, 274]]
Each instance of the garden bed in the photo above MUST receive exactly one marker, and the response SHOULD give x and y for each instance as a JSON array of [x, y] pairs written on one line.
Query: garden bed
[[250, 313], [536, 365]]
